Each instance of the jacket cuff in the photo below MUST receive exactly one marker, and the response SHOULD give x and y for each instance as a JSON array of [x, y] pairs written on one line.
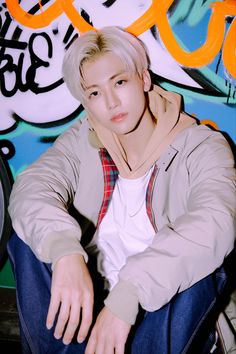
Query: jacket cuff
[[123, 302], [61, 243]]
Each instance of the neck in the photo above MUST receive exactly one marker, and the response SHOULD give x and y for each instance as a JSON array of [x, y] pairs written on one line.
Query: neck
[[134, 143]]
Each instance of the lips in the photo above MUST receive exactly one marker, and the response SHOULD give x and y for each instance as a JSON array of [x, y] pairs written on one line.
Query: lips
[[119, 117]]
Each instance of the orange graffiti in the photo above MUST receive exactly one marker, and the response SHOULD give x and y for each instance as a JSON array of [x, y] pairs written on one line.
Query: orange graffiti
[[76, 19], [229, 52], [211, 123], [215, 35], [155, 15], [34, 21]]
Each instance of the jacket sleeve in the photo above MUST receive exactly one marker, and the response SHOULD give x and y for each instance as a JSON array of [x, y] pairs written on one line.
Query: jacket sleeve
[[41, 196], [192, 246]]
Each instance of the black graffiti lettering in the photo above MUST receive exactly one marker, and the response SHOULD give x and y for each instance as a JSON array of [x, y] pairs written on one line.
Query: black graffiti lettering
[[8, 67], [6, 43], [108, 3], [37, 62], [7, 149], [16, 69], [9, 63], [23, 87], [6, 25]]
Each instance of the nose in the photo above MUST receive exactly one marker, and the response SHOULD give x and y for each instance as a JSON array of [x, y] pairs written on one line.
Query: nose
[[112, 100]]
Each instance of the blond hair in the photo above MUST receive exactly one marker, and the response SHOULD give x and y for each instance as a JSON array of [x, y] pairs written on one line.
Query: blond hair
[[91, 45]]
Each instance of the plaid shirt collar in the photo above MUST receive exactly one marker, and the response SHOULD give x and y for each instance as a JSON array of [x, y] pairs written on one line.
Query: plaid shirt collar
[[110, 173]]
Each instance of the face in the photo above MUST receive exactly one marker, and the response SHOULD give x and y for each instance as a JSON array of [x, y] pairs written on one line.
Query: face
[[114, 97]]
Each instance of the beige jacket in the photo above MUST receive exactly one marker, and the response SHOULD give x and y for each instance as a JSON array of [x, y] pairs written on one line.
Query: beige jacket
[[193, 201]]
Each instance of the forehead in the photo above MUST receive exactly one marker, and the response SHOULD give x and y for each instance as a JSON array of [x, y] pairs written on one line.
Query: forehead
[[102, 69]]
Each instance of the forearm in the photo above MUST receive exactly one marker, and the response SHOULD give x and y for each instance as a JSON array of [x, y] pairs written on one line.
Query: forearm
[[41, 197], [192, 245]]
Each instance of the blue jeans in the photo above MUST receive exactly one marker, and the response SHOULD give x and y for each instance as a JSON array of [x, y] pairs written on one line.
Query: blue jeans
[[184, 325]]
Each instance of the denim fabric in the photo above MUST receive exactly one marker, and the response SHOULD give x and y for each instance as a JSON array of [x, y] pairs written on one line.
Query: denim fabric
[[184, 325]]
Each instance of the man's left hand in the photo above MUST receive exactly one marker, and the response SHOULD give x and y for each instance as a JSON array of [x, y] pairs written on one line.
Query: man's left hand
[[108, 335]]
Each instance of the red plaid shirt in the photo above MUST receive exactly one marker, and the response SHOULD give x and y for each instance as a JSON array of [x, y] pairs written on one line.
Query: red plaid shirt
[[110, 173]]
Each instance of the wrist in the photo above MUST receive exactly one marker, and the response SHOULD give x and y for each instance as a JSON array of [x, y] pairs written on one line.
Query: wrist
[[123, 302]]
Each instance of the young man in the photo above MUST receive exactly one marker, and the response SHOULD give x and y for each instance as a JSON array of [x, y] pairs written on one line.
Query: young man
[[159, 190]]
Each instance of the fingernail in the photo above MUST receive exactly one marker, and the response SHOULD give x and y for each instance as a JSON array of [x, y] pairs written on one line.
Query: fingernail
[[49, 325], [80, 339], [57, 336], [66, 341]]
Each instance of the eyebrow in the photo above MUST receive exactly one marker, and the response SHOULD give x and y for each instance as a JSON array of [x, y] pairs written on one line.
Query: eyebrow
[[110, 78]]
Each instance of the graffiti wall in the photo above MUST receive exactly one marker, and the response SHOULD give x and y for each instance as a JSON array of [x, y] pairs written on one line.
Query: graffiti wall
[[192, 49]]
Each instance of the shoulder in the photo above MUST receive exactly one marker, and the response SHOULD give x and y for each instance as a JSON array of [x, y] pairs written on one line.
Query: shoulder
[[199, 137], [77, 129], [75, 136], [200, 148], [210, 152]]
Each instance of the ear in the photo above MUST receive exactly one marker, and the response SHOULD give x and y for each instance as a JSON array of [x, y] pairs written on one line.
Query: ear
[[146, 80]]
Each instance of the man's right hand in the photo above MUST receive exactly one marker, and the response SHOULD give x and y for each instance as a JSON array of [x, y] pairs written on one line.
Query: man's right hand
[[71, 298]]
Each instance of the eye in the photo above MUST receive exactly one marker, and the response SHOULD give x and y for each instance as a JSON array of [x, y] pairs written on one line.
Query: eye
[[93, 94], [120, 82]]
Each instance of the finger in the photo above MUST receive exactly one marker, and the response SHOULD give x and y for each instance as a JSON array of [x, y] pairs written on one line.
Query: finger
[[73, 323], [105, 344], [101, 348], [91, 346], [62, 319], [120, 348], [87, 317], [52, 311]]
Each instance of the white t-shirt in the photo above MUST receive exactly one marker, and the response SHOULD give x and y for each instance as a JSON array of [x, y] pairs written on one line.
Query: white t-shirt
[[125, 229]]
